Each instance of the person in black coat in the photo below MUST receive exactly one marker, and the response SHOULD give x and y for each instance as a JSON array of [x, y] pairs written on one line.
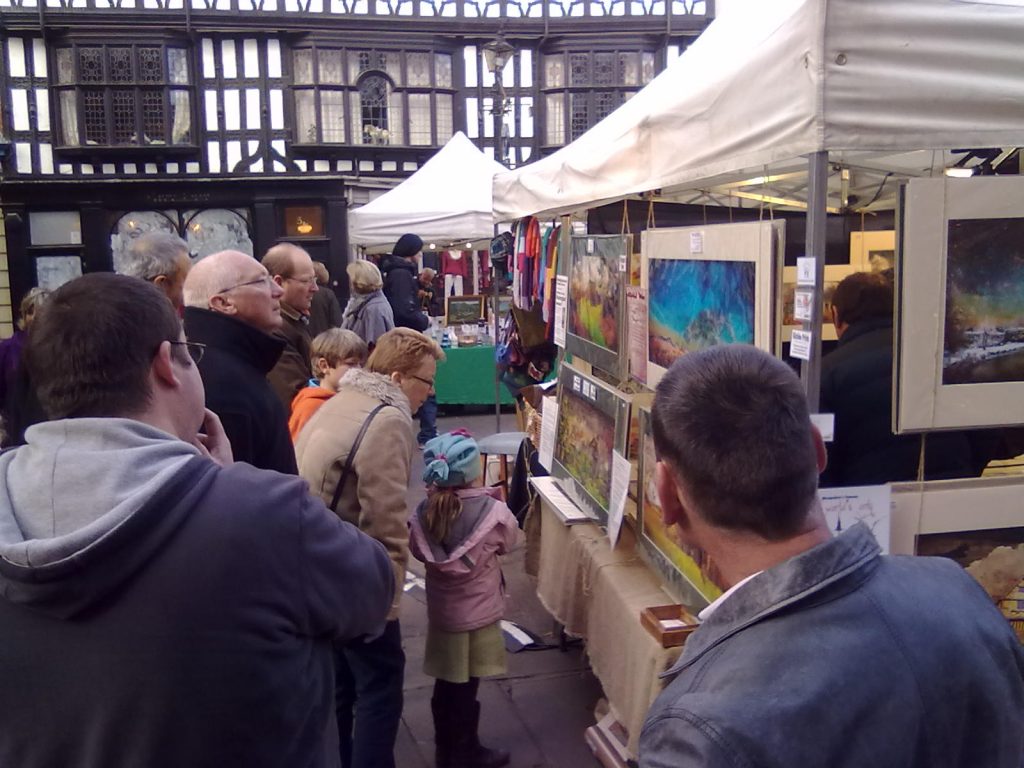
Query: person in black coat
[[856, 386], [232, 306], [400, 284]]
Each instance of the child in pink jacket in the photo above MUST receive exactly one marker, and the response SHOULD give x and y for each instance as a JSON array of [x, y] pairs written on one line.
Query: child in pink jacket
[[458, 532]]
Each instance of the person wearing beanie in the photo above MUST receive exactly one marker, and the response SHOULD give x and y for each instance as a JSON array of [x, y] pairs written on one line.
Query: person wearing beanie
[[400, 286], [458, 532]]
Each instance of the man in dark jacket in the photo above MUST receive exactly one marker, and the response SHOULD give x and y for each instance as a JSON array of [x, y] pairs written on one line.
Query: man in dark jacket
[[400, 285], [159, 605], [822, 653], [324, 309], [856, 386], [292, 269], [233, 306]]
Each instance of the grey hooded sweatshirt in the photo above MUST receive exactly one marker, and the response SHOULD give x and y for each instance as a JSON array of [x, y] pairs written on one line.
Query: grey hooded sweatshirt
[[159, 610]]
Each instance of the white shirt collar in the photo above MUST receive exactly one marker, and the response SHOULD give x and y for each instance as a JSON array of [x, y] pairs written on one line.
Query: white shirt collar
[[706, 613]]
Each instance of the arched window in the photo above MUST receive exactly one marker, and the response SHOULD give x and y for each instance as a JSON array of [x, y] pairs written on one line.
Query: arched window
[[374, 101]]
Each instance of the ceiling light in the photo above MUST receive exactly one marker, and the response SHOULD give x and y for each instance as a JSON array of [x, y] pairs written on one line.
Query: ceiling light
[[959, 173]]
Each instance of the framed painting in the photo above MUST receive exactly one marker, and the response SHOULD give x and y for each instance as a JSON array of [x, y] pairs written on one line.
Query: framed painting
[[873, 251], [595, 325], [593, 421], [960, 313], [461, 310], [688, 573], [706, 286], [928, 519]]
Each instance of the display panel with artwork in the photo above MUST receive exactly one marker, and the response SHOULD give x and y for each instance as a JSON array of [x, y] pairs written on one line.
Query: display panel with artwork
[[688, 572], [834, 274], [960, 317], [593, 421], [597, 277], [873, 251], [707, 286]]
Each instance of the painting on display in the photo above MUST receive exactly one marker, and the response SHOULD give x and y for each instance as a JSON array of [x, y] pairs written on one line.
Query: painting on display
[[598, 275], [707, 286], [963, 253], [593, 421], [463, 310], [834, 274], [873, 251], [688, 572]]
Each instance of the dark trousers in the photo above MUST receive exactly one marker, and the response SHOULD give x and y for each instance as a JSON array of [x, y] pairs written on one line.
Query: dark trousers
[[368, 698], [428, 420]]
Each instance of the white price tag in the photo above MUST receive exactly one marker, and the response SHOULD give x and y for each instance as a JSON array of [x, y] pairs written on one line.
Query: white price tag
[[800, 345], [590, 245], [696, 242], [620, 486], [623, 262]]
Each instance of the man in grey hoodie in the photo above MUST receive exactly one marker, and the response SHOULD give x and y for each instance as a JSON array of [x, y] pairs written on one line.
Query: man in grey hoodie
[[159, 605]]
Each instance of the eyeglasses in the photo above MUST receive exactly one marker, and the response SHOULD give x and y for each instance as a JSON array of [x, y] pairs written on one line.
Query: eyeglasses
[[428, 382], [265, 280], [307, 281], [194, 348]]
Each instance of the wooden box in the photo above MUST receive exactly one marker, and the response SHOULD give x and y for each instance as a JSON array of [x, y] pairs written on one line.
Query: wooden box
[[670, 624]]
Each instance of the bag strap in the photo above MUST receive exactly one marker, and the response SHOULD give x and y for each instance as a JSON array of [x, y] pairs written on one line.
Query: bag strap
[[351, 457]]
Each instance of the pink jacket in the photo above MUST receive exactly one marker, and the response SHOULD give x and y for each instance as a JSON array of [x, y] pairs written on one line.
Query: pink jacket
[[465, 589]]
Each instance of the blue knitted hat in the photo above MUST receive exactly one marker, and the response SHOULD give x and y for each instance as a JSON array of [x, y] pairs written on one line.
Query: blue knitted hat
[[452, 459]]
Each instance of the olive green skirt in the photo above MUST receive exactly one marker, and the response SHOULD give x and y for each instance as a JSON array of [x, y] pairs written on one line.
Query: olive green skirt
[[458, 656]]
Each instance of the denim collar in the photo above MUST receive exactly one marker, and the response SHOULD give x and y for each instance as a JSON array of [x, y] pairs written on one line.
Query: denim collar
[[777, 588]]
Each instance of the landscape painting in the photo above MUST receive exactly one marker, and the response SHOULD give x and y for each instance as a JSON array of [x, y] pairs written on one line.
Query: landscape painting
[[690, 563], [586, 439], [463, 310], [696, 304], [984, 322], [595, 299]]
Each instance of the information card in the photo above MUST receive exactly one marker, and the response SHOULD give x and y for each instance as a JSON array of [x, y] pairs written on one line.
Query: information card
[[561, 308], [868, 504], [548, 431], [800, 345], [636, 311], [620, 487]]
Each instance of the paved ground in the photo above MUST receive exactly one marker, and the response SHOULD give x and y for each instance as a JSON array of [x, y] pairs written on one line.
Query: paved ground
[[541, 708]]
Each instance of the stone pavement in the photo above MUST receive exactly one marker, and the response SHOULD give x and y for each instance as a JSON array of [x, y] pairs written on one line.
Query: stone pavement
[[540, 709]]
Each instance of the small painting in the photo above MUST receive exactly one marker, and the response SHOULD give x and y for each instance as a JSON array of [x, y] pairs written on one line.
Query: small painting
[[595, 287], [698, 304], [586, 439], [984, 328], [462, 310]]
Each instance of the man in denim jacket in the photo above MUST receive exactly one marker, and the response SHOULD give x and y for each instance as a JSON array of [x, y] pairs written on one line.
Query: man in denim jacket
[[821, 652]]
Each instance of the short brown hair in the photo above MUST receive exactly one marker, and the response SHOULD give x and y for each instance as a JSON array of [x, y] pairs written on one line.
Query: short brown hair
[[279, 259], [862, 296], [92, 344], [401, 350], [732, 424], [337, 345]]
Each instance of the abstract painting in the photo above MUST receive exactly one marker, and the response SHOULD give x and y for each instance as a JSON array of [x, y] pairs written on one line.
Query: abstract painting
[[984, 328], [597, 272], [698, 304]]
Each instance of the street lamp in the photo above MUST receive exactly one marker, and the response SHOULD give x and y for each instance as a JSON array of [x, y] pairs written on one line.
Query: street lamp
[[497, 54]]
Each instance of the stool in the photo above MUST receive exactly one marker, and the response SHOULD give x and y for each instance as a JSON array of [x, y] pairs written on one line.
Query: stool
[[503, 445]]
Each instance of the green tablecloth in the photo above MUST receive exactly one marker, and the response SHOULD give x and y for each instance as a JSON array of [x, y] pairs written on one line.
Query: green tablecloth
[[467, 377]]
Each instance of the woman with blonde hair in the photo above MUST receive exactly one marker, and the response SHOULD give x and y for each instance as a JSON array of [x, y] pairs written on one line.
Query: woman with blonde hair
[[368, 312], [356, 452]]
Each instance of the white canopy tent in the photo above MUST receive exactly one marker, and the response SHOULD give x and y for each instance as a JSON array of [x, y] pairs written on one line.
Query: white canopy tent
[[447, 200], [871, 82]]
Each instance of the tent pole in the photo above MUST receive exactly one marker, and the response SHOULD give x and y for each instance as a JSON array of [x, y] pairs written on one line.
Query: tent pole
[[817, 201], [497, 370]]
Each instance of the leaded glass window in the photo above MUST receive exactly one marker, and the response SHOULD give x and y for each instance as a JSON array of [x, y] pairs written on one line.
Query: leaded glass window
[[124, 95]]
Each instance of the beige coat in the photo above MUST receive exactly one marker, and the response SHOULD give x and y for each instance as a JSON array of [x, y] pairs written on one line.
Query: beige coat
[[374, 497]]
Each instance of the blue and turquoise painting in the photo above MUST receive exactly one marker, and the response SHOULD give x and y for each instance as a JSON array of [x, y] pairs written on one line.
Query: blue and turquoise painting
[[697, 304]]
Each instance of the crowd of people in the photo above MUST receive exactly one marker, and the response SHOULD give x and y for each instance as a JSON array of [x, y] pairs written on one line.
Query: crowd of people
[[204, 539]]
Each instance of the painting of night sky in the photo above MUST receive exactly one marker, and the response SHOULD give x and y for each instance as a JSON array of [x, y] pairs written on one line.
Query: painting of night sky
[[984, 329], [697, 304]]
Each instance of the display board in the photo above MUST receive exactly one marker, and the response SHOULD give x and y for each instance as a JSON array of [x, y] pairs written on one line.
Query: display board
[[709, 285], [598, 274], [593, 421], [686, 571], [960, 319]]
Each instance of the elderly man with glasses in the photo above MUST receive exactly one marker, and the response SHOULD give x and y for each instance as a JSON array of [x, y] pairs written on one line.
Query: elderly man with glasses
[[292, 269], [233, 308]]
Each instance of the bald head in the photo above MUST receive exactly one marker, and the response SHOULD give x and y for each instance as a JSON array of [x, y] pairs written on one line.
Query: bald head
[[234, 283]]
